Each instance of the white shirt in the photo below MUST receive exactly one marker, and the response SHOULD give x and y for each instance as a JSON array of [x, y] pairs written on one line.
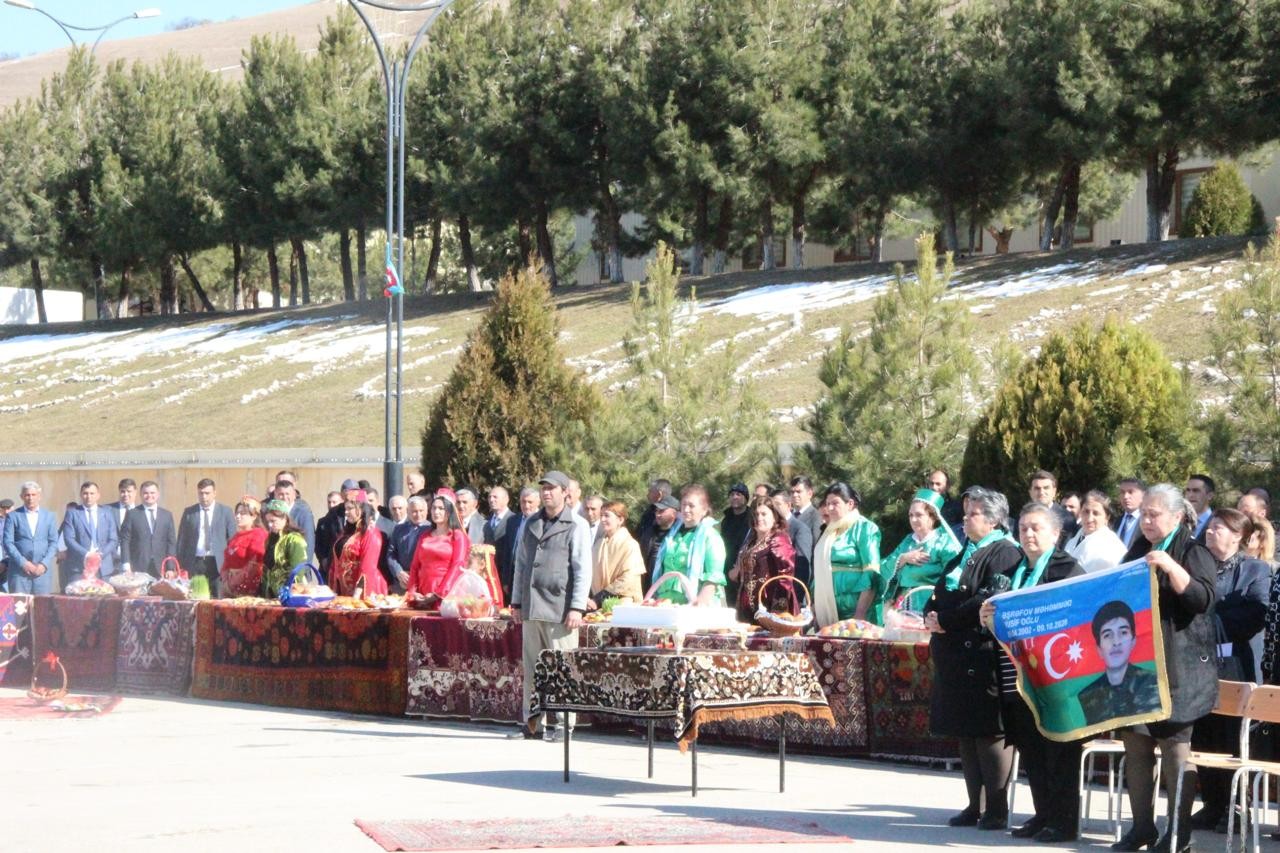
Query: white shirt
[[33, 519], [204, 521], [1103, 549]]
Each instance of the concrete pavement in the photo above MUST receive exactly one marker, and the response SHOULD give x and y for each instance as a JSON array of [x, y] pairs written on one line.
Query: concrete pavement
[[186, 775]]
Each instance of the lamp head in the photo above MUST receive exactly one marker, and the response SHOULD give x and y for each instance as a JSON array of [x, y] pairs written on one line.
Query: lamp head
[[21, 4], [141, 13]]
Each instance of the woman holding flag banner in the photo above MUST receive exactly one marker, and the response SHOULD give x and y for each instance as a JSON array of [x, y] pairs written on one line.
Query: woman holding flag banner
[[1186, 577]]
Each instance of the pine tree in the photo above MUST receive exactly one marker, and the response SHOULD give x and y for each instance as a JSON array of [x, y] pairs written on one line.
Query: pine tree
[[681, 412], [894, 403], [509, 394], [1096, 405], [1221, 205], [1244, 433]]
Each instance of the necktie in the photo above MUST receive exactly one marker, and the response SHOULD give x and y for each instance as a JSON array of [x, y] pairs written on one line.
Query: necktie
[[1124, 528], [151, 520], [204, 529]]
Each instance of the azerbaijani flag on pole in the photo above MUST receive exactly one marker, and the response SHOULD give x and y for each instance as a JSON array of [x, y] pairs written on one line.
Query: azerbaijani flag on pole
[[1088, 651], [393, 286]]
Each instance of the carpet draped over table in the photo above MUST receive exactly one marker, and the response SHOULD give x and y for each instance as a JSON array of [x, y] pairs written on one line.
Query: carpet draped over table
[[84, 633], [468, 668], [15, 641], [157, 646]]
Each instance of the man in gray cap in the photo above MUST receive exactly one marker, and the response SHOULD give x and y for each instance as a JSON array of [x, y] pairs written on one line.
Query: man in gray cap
[[552, 582], [666, 512]]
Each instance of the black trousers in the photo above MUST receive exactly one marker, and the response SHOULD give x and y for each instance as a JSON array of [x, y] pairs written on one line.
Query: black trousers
[[1053, 768]]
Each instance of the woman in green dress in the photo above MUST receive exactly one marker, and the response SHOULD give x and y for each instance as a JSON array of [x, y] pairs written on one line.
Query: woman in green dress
[[846, 560], [285, 547], [911, 571]]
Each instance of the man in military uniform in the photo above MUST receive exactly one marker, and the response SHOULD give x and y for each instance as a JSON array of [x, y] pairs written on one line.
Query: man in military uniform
[[1124, 690]]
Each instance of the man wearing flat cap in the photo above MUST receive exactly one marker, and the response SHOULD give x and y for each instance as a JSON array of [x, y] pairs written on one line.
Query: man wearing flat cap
[[552, 582]]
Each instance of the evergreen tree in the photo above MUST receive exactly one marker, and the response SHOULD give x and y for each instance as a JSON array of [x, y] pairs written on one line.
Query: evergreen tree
[[895, 402], [1244, 433], [1221, 205], [680, 413], [509, 395], [27, 224], [1096, 405]]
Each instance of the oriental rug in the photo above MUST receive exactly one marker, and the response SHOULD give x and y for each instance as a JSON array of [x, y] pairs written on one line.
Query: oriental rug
[[467, 668], [15, 641], [352, 661], [157, 646], [899, 679], [84, 633], [690, 687], [79, 707], [593, 831]]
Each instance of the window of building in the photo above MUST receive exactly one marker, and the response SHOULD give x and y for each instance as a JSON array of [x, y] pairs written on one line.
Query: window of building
[[1184, 187]]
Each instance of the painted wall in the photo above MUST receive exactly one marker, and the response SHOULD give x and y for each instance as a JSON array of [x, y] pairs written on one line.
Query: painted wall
[[18, 306]]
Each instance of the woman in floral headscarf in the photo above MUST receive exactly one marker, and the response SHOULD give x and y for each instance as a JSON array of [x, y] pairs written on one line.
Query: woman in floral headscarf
[[913, 568]]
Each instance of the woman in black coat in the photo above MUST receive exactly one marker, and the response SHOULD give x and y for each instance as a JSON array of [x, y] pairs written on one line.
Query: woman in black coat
[[1187, 579], [1051, 766], [1244, 590], [965, 702]]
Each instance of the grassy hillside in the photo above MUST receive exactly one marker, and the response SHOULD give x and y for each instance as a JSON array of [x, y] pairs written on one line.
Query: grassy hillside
[[314, 377]]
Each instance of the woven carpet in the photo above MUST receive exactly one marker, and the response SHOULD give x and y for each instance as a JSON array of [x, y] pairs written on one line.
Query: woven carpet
[[15, 641], [899, 678], [590, 831], [468, 668], [83, 633], [157, 643], [353, 661], [23, 708]]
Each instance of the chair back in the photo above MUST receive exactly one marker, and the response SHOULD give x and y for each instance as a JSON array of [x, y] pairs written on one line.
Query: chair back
[[1233, 698], [1263, 706]]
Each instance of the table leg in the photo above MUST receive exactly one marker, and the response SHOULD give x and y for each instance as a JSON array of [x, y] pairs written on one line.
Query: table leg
[[693, 751], [568, 736], [651, 749], [782, 753]]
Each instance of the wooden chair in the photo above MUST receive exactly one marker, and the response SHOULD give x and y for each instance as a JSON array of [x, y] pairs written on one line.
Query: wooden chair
[[1245, 700]]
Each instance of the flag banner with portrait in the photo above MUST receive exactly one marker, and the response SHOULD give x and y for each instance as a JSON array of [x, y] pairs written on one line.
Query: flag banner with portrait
[[1088, 651]]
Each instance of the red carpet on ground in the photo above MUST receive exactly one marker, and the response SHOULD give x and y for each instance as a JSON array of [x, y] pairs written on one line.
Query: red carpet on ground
[[26, 708], [579, 831]]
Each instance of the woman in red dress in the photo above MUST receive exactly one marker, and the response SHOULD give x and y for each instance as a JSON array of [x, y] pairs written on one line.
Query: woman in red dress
[[442, 551], [358, 550], [242, 560], [767, 553]]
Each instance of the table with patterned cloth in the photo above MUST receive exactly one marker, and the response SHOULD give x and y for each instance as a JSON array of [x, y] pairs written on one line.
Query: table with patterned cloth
[[899, 678], [465, 668], [324, 660], [15, 641], [84, 632], [691, 687], [157, 646]]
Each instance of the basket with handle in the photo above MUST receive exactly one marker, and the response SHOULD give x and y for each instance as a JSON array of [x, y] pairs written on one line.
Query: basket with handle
[[903, 601], [785, 624], [174, 584], [686, 586], [41, 693], [903, 623], [319, 594]]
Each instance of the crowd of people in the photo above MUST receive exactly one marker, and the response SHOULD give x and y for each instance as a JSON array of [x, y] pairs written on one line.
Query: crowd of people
[[559, 556]]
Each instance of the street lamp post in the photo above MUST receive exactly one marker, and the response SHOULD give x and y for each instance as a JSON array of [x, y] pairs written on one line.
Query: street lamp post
[[395, 75], [101, 31]]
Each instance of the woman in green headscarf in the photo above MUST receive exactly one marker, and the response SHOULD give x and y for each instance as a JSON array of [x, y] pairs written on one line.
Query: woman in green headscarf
[[913, 568], [846, 561]]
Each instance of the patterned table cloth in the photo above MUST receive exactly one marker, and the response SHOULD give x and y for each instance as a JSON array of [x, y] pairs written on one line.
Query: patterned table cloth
[[157, 646], [466, 668], [352, 661], [691, 687], [15, 641]]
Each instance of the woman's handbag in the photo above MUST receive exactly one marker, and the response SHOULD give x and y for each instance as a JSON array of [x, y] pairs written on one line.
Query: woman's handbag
[[1230, 667], [174, 583], [310, 591]]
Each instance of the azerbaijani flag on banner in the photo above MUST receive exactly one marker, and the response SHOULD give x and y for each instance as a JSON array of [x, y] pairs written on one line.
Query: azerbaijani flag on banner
[[393, 286], [1088, 651]]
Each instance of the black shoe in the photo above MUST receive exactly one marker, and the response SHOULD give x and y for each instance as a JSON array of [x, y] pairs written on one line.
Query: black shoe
[[1166, 845], [994, 821], [1053, 835], [1031, 828], [1133, 840], [1205, 819], [968, 817]]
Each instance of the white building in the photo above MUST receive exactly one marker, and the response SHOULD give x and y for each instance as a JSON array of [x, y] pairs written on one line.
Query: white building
[[18, 306]]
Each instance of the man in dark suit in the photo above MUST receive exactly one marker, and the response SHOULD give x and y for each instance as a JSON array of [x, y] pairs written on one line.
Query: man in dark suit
[[128, 491], [87, 529], [1125, 524], [203, 533], [404, 539], [148, 535], [806, 515], [31, 544], [329, 529], [499, 531]]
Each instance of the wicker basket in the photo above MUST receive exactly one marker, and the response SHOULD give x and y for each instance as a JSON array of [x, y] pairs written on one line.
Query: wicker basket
[[49, 694], [784, 624]]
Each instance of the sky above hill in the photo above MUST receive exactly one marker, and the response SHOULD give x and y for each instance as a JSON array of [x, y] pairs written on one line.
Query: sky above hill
[[24, 32]]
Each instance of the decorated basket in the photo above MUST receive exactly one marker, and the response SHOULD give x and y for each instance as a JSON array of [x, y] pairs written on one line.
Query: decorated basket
[[468, 598], [49, 692], [313, 594], [785, 624], [131, 584], [174, 583]]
